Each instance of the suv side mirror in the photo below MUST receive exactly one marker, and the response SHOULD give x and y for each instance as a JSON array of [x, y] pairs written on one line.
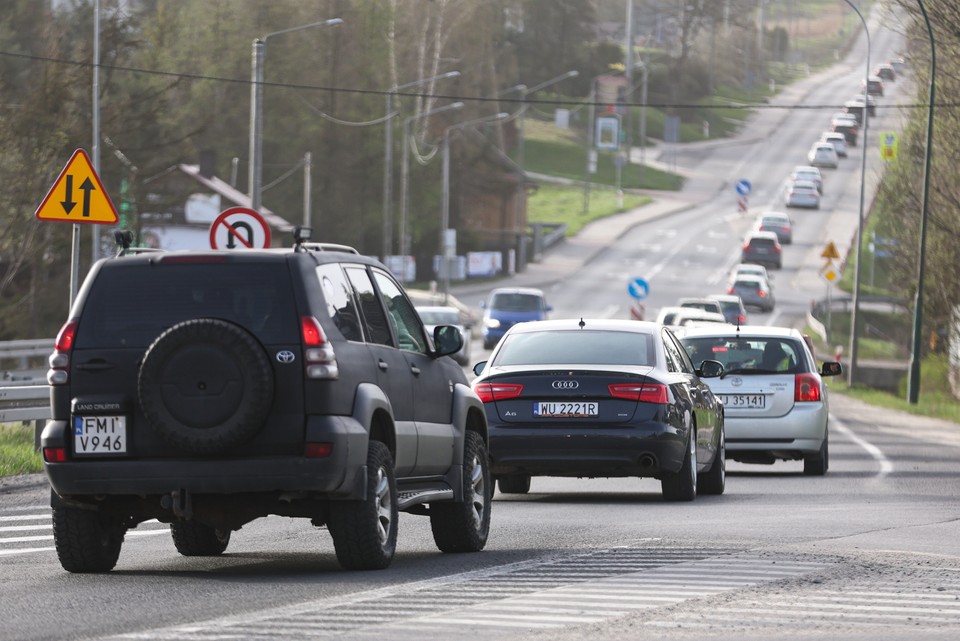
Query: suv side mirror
[[710, 369], [447, 339]]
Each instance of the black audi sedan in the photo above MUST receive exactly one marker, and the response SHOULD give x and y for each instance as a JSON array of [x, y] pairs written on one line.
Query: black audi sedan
[[601, 398]]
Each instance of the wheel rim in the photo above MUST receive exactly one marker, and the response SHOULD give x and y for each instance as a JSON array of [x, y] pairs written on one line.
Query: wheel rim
[[384, 506], [479, 498]]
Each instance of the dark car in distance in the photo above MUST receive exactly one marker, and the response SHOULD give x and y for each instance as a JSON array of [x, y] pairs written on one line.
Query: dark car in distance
[[763, 248], [601, 398]]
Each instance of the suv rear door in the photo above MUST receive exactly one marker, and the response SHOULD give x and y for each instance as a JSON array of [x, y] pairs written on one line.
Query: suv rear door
[[132, 301]]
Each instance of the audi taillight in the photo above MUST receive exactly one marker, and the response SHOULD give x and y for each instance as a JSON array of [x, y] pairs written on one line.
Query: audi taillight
[[59, 361], [490, 392], [320, 361], [806, 388], [639, 392]]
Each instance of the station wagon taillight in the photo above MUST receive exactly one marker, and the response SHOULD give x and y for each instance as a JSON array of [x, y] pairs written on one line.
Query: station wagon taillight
[[59, 372], [639, 392], [489, 392], [320, 361], [806, 388]]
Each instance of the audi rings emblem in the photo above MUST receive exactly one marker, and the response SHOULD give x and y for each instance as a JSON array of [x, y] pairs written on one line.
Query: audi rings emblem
[[286, 356], [565, 384]]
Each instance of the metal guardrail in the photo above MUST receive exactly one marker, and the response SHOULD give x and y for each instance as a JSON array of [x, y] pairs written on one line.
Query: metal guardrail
[[24, 394]]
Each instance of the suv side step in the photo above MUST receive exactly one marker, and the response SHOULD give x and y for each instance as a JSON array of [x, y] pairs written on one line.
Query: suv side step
[[406, 500]]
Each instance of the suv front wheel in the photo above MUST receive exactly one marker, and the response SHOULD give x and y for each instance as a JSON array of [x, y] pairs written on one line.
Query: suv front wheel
[[365, 532], [463, 527]]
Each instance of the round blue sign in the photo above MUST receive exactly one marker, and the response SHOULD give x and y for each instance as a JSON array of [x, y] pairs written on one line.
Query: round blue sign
[[743, 186], [638, 288]]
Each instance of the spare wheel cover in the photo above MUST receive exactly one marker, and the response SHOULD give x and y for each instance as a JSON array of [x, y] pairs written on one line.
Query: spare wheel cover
[[205, 385]]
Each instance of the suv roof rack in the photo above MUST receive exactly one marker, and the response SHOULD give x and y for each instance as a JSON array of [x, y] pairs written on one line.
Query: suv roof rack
[[301, 238]]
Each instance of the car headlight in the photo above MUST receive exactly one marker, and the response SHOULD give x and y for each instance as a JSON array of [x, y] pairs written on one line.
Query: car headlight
[[491, 323]]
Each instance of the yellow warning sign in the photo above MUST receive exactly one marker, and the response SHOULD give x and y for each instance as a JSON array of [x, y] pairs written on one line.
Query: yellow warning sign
[[829, 274], [78, 195], [830, 251]]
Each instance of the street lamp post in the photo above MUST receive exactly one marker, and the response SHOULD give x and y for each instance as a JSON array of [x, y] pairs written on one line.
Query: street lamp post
[[445, 196], [913, 381], [256, 107], [388, 158], [854, 342], [405, 171], [521, 153]]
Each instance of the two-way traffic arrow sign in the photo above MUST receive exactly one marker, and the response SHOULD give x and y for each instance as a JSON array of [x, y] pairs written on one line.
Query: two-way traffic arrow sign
[[78, 180]]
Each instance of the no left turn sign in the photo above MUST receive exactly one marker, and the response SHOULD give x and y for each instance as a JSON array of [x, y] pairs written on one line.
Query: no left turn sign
[[239, 228]]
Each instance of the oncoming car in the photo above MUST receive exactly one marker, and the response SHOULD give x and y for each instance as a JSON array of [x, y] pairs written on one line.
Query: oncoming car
[[601, 398], [508, 306], [775, 398]]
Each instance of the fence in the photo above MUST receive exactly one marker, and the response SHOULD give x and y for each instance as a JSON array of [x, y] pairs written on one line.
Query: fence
[[24, 394]]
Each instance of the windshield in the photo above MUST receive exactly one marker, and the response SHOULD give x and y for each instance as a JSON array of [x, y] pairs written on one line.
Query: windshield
[[513, 302]]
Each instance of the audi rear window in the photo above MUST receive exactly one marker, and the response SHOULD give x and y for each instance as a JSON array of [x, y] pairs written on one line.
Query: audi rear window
[[129, 305], [580, 347]]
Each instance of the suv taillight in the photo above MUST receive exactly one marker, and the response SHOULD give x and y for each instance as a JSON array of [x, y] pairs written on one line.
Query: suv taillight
[[320, 361], [59, 372], [806, 388]]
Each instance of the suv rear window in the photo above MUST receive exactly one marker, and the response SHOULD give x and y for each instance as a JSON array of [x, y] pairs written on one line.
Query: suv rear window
[[129, 305], [762, 242]]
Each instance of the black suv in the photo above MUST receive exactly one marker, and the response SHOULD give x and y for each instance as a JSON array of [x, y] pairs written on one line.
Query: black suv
[[206, 389]]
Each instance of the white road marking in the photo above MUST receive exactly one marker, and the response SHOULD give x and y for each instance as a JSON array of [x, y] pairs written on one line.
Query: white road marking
[[886, 467]]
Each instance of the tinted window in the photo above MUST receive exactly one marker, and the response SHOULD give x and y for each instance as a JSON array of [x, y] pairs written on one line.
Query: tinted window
[[761, 242], [341, 305], [401, 314], [581, 347], [374, 317], [129, 305]]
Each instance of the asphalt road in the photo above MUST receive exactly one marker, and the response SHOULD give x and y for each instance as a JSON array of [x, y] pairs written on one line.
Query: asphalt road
[[871, 550]]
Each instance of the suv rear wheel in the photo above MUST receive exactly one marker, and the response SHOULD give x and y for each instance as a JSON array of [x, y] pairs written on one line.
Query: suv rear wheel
[[86, 540], [365, 532], [197, 539], [463, 527]]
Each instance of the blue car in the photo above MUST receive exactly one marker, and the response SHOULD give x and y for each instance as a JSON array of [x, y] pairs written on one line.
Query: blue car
[[507, 306]]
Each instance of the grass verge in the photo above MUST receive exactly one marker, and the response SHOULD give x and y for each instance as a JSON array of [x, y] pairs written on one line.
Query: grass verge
[[17, 455], [564, 204]]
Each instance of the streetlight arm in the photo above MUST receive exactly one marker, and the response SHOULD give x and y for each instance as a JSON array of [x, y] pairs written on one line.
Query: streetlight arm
[[573, 73], [332, 22]]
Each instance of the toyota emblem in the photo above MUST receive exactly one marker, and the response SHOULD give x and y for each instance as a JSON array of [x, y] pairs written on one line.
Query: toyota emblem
[[286, 356], [565, 384], [736, 381]]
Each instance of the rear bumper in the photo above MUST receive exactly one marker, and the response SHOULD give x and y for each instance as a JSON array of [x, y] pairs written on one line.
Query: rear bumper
[[800, 431], [646, 450], [335, 475]]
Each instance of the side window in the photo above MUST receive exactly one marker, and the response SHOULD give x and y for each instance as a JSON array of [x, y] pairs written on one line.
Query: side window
[[374, 318], [683, 359], [669, 354], [402, 315], [341, 305]]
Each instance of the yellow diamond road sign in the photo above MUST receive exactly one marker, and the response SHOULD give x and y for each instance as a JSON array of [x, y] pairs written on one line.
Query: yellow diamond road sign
[[829, 273], [78, 195]]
